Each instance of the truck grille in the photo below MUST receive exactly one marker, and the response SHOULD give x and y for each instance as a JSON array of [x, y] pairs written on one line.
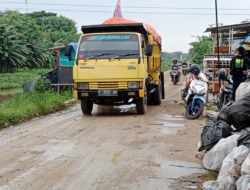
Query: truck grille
[[107, 85]]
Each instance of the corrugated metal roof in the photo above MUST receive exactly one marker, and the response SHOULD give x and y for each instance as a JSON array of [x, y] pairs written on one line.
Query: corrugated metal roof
[[61, 47], [226, 28], [55, 48]]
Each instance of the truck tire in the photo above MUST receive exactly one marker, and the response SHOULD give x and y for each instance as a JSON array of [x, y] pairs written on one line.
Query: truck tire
[[141, 103], [157, 94], [87, 107]]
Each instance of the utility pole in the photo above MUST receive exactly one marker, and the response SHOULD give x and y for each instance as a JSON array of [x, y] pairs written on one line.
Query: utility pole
[[26, 5], [217, 31]]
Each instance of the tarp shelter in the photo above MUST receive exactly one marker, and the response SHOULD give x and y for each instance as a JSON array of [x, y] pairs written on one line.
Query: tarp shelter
[[62, 60], [149, 28]]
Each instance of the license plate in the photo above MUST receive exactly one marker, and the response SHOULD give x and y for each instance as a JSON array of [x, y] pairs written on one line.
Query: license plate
[[107, 93], [200, 83]]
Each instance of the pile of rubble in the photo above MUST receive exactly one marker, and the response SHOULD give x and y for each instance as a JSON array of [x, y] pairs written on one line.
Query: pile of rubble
[[225, 146]]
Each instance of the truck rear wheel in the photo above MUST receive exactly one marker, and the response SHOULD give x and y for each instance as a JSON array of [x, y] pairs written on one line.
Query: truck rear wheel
[[141, 103], [157, 94], [87, 107]]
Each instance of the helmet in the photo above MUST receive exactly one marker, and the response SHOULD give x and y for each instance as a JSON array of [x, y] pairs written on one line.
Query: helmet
[[195, 69], [221, 73]]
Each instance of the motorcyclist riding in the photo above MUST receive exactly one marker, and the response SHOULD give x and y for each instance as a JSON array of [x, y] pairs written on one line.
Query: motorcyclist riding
[[185, 63], [194, 69], [175, 66]]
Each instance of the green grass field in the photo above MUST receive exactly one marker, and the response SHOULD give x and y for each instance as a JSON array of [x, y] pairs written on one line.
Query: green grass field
[[22, 107], [18, 78]]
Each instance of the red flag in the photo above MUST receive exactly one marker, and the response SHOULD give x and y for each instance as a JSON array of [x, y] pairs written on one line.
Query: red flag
[[118, 10]]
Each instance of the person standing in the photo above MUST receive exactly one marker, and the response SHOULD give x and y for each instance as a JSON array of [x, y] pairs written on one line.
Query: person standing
[[238, 69]]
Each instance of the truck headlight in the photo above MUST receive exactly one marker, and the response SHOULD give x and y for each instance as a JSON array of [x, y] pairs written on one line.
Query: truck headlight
[[133, 84], [83, 85]]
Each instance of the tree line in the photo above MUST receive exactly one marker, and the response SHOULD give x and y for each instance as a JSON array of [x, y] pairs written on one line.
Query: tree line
[[24, 37]]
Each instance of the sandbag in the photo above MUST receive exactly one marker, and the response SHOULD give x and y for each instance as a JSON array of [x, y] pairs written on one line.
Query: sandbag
[[213, 159], [227, 183], [210, 185], [222, 115], [243, 183], [242, 90], [245, 168], [231, 165], [238, 114], [244, 139], [213, 132]]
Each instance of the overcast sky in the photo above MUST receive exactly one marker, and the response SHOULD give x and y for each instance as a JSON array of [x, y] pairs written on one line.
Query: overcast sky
[[175, 29]]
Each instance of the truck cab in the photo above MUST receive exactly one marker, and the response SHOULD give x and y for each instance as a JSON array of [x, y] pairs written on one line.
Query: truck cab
[[117, 65]]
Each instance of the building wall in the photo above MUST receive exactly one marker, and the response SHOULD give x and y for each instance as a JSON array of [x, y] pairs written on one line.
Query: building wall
[[236, 43]]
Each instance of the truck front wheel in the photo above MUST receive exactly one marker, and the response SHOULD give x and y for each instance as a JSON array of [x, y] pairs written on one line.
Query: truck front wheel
[[141, 103], [87, 107]]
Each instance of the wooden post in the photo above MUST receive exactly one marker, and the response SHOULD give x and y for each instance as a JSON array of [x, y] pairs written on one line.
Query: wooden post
[[214, 42]]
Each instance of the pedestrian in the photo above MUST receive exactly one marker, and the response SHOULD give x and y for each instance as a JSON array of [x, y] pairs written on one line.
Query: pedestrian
[[238, 69]]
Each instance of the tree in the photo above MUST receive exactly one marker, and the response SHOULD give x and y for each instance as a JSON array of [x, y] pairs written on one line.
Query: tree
[[198, 49], [174, 55], [13, 51], [27, 37], [55, 29]]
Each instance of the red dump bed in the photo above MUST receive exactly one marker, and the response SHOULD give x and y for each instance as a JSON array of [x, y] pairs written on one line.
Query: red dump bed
[[150, 29]]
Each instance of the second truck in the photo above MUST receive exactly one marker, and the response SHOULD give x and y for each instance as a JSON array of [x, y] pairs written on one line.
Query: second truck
[[117, 64]]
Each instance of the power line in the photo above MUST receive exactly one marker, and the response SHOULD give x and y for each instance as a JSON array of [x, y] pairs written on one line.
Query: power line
[[162, 13], [138, 7]]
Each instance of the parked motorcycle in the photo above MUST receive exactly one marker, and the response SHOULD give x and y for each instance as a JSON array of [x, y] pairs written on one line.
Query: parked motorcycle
[[184, 70], [226, 89], [195, 91], [175, 74]]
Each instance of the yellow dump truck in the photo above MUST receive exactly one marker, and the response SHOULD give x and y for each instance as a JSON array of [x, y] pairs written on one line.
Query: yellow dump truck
[[117, 64]]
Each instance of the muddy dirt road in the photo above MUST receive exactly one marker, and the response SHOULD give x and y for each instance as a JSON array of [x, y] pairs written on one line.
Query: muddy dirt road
[[114, 149]]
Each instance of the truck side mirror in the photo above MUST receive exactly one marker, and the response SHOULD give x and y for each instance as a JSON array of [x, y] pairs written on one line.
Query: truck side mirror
[[149, 50], [68, 51]]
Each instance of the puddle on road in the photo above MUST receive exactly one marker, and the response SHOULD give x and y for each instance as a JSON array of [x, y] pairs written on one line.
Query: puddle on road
[[169, 124], [172, 117], [124, 109], [165, 172]]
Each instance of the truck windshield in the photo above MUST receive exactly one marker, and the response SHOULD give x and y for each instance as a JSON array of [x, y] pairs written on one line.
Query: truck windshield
[[108, 46]]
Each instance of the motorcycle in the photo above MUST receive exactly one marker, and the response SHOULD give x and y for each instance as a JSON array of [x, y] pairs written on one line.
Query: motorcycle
[[226, 91], [175, 74], [194, 94], [184, 70]]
